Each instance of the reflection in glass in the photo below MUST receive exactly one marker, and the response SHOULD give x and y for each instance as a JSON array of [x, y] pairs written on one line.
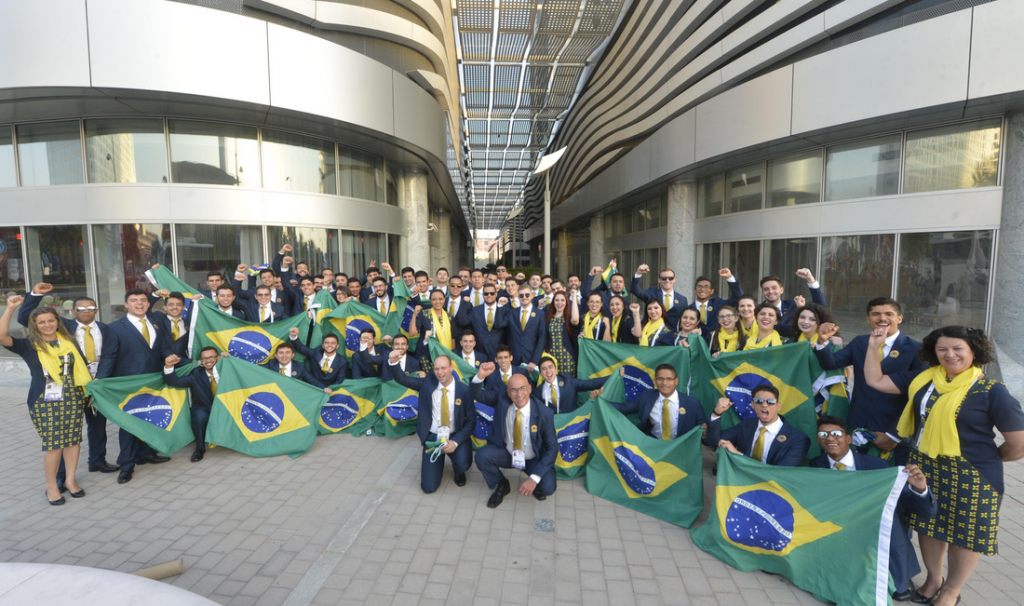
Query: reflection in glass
[[743, 188], [50, 154], [219, 154], [396, 252], [626, 219], [7, 174], [709, 261], [126, 151], [744, 260], [12, 272], [795, 179], [361, 174], [943, 280], [959, 156], [358, 248], [297, 163], [863, 169], [653, 212], [316, 247], [783, 257], [123, 254], [205, 248], [396, 185], [711, 196], [854, 270], [57, 255]]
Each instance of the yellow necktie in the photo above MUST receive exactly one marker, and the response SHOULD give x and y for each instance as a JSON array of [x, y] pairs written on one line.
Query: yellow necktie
[[90, 347], [490, 318], [704, 313], [841, 466], [305, 304], [382, 310], [525, 318], [517, 432], [213, 385], [263, 313], [175, 332], [547, 299], [145, 332], [668, 302], [504, 378], [554, 397], [759, 445], [666, 420], [451, 307], [326, 368], [881, 352], [445, 413], [283, 371], [476, 298]]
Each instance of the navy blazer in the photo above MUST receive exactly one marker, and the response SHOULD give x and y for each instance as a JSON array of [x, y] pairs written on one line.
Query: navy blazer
[[412, 364], [299, 371], [667, 336], [493, 381], [679, 302], [198, 384], [247, 301], [129, 354], [542, 426], [462, 409], [788, 452], [373, 302], [692, 415], [33, 301], [869, 408], [476, 318], [569, 389], [339, 367], [527, 345], [365, 366], [479, 357], [716, 303], [283, 295]]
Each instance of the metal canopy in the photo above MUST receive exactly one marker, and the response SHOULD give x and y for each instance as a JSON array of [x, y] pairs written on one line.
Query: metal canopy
[[521, 65]]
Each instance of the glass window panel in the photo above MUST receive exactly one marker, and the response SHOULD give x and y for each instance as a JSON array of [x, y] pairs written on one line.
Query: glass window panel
[[298, 163], [314, 246], [123, 253], [795, 179], [7, 174], [654, 213], [943, 280], [959, 156], [627, 220], [863, 169], [743, 188], [126, 151], [854, 270], [664, 209], [358, 248], [50, 154], [744, 260], [711, 196], [396, 184], [609, 224], [616, 220], [709, 261], [12, 273], [206, 248], [639, 212], [396, 252], [219, 154], [57, 255], [361, 175], [783, 257]]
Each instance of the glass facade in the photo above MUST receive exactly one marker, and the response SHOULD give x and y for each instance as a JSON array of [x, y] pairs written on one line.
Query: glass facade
[[647, 214], [359, 248], [743, 188], [8, 177], [206, 248], [854, 270], [711, 196], [795, 179], [50, 153], [57, 255], [957, 156], [314, 246], [126, 151], [362, 175], [12, 271], [123, 253], [218, 154], [396, 185], [782, 258], [863, 169], [298, 163]]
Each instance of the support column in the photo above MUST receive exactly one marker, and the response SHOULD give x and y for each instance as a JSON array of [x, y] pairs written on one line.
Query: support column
[[444, 259], [417, 215], [1007, 313], [682, 211], [597, 256], [563, 255]]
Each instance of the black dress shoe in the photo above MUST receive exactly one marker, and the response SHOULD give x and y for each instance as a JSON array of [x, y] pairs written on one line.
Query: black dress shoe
[[59, 501], [197, 456], [460, 479], [499, 494], [124, 477], [103, 467], [903, 596], [155, 460], [540, 496], [77, 495]]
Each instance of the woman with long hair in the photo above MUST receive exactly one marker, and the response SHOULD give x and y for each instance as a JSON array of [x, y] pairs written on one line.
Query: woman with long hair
[[727, 337], [56, 396], [595, 324], [746, 306], [620, 322], [562, 319], [689, 324], [434, 322], [651, 331], [766, 336]]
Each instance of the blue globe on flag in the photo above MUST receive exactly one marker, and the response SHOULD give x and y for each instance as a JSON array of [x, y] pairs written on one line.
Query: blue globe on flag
[[262, 412], [762, 519], [403, 409], [353, 328], [151, 408], [740, 393], [251, 346], [572, 440], [339, 411], [635, 382], [635, 471]]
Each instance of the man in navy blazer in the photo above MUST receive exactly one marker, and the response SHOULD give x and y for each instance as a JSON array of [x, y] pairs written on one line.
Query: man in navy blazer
[[779, 442], [835, 443], [559, 391], [871, 409], [406, 362], [267, 277], [667, 281], [468, 351], [138, 346], [685, 412], [303, 295], [383, 293], [616, 286], [174, 318], [527, 342], [369, 361], [708, 305], [771, 289], [327, 354], [228, 304], [537, 444], [202, 385], [259, 307], [475, 318], [497, 381], [446, 412], [214, 279], [285, 364]]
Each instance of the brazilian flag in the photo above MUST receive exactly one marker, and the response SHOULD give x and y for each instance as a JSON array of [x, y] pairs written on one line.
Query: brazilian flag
[[347, 322], [350, 406], [662, 479], [820, 528], [606, 277], [397, 412], [327, 303], [572, 431], [829, 389], [463, 371], [263, 413], [250, 341], [484, 423], [602, 358], [165, 278], [147, 408], [399, 319]]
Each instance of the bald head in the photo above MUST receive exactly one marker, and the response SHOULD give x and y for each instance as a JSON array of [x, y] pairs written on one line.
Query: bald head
[[519, 390], [443, 370]]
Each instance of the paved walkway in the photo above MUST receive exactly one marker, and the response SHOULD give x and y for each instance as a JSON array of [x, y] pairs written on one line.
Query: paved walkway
[[346, 523]]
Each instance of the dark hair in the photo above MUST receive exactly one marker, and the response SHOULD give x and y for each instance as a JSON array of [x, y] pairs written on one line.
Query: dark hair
[[341, 273], [653, 302], [208, 348], [421, 274], [571, 276], [767, 305], [211, 274], [752, 300], [766, 279], [407, 270], [468, 333], [766, 387], [546, 277], [173, 295], [879, 301], [477, 271], [557, 281], [440, 269], [438, 291], [284, 345], [372, 270], [666, 367], [664, 269], [975, 338], [263, 287], [512, 280], [821, 313], [598, 295], [267, 270], [225, 287], [307, 278], [535, 273], [368, 330], [93, 301], [379, 278], [343, 290], [501, 349], [399, 336], [492, 286], [332, 336], [136, 291], [830, 420], [703, 279]]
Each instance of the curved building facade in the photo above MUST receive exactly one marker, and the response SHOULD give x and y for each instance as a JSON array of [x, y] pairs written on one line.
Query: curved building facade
[[135, 132]]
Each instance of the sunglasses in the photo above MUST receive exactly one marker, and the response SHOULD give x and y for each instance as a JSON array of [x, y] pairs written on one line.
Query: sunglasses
[[835, 433], [666, 278], [768, 401], [489, 294], [84, 309], [525, 295]]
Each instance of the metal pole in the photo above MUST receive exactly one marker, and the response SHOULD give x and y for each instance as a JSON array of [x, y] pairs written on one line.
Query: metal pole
[[513, 242], [547, 225]]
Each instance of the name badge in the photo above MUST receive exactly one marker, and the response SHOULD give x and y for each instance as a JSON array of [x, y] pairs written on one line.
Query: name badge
[[518, 459], [443, 433], [53, 392], [93, 366]]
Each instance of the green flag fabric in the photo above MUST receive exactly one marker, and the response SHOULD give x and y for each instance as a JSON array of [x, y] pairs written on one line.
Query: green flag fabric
[[829, 389], [397, 411], [602, 358], [147, 408], [263, 413], [662, 479], [165, 278], [826, 531], [463, 371], [572, 431], [327, 303], [350, 407], [250, 341], [348, 320]]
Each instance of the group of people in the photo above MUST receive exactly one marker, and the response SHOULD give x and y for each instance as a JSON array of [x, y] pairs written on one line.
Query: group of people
[[926, 406]]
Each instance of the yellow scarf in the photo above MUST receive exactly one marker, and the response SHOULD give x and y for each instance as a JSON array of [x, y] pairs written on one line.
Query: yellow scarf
[[649, 330], [772, 340], [590, 325], [751, 332], [803, 338], [442, 328], [51, 358], [940, 436], [615, 328], [727, 342]]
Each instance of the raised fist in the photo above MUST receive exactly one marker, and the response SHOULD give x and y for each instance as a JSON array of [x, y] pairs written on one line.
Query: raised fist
[[826, 330], [725, 273], [241, 267], [485, 369], [799, 300], [293, 333], [15, 301], [723, 405], [634, 307], [644, 268], [42, 288], [171, 360], [805, 274], [287, 261], [163, 293], [596, 270], [287, 248]]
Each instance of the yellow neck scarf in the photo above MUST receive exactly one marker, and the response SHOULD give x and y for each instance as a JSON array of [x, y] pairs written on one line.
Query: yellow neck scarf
[[772, 340], [442, 328], [51, 359], [647, 336], [804, 338], [590, 324], [751, 331], [615, 329], [727, 342], [940, 436]]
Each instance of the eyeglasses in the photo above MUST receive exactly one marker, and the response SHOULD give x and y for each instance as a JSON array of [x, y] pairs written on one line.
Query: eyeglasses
[[518, 389], [702, 287], [525, 295], [84, 309], [835, 433], [666, 278], [768, 401], [726, 316]]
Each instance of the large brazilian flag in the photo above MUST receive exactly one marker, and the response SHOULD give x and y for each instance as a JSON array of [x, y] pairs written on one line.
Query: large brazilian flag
[[601, 358], [250, 341], [147, 408], [348, 321], [662, 479], [826, 531], [327, 303], [350, 406], [263, 413], [572, 431]]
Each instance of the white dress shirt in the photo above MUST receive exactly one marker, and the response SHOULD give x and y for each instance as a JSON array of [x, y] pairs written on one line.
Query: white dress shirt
[[673, 407], [387, 304], [214, 374], [286, 369], [309, 300], [329, 358], [469, 357], [473, 296], [137, 323], [773, 430], [524, 420], [435, 412], [847, 460], [548, 388], [519, 314]]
